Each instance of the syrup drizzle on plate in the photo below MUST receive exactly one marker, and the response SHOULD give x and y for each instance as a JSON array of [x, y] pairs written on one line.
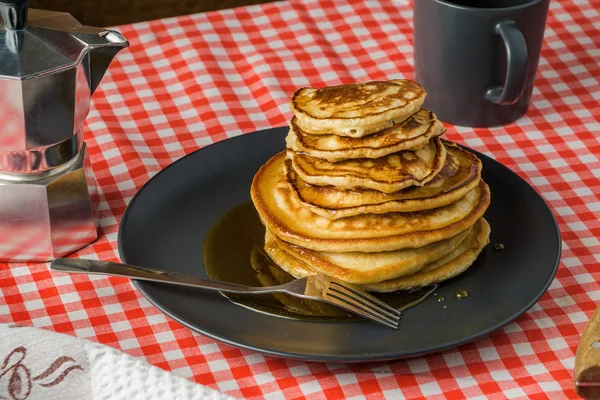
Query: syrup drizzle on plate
[[233, 252]]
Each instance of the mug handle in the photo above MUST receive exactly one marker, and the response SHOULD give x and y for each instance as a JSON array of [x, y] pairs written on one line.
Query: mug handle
[[516, 68]]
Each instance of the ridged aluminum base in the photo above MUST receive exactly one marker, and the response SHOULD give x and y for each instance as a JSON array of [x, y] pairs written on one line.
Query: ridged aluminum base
[[48, 216]]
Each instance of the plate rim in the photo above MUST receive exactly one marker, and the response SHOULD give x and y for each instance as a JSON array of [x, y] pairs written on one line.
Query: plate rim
[[356, 358]]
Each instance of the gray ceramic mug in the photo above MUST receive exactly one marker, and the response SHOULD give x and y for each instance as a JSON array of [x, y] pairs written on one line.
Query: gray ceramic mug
[[477, 58]]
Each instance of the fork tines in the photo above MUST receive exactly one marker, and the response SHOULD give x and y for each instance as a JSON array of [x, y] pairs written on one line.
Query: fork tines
[[362, 303]]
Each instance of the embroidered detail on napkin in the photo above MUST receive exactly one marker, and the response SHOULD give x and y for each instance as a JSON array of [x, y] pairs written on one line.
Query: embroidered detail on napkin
[[37, 364]]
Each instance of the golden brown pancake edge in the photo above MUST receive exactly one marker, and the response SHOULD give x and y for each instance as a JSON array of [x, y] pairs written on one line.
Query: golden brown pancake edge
[[417, 238]]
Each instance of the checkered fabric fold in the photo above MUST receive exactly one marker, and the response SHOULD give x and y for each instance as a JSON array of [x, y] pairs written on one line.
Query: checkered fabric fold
[[191, 81]]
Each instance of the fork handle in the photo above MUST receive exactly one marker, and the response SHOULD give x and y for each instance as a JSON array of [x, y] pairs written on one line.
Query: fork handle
[[94, 267]]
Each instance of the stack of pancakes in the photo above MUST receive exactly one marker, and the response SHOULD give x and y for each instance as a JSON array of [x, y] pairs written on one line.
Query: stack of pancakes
[[368, 193]]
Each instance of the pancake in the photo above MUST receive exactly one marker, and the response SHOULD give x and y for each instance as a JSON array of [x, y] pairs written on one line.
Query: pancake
[[387, 174], [459, 175], [283, 215], [357, 109], [363, 268], [286, 261], [453, 264], [449, 266], [412, 134]]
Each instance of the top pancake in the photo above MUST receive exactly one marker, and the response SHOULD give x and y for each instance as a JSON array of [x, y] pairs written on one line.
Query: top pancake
[[412, 134], [357, 109], [283, 215]]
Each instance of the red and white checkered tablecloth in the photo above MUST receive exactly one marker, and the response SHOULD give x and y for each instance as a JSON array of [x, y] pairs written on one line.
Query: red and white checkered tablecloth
[[191, 81]]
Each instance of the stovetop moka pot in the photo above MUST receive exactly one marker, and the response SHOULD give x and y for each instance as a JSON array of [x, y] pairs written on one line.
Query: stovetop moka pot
[[50, 65]]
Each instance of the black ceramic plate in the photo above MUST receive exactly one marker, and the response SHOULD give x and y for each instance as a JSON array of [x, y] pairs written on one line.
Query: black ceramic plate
[[166, 222]]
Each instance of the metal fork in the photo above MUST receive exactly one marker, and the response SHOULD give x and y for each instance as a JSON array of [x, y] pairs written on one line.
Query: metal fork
[[315, 287]]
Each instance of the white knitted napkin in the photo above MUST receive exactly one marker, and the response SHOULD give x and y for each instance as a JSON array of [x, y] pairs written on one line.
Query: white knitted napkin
[[37, 364]]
